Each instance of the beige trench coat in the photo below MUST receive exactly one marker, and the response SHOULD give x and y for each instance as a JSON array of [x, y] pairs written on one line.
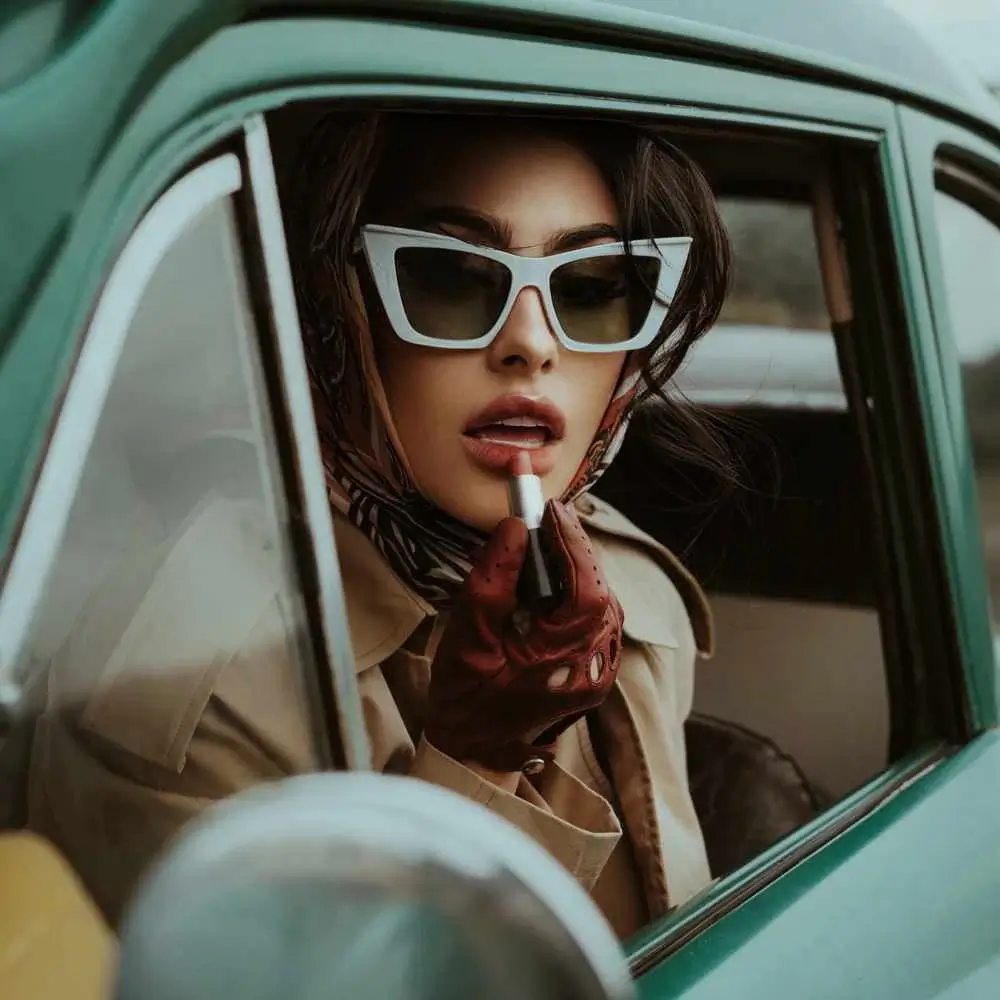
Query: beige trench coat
[[179, 685]]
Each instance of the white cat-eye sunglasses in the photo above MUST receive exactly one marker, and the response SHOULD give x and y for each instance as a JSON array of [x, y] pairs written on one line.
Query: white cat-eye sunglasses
[[440, 291]]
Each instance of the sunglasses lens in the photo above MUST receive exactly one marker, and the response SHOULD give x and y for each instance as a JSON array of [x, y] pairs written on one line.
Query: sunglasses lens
[[448, 294], [605, 300]]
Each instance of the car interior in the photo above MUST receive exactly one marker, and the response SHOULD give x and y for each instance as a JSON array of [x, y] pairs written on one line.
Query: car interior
[[792, 712]]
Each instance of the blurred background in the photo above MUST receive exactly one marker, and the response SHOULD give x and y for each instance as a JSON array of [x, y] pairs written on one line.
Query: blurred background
[[969, 29]]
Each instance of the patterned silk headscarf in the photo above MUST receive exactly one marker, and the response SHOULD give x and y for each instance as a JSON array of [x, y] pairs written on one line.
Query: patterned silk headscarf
[[370, 481]]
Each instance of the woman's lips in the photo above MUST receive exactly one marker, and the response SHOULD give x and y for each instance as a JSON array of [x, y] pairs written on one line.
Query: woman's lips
[[511, 424], [525, 432], [515, 410]]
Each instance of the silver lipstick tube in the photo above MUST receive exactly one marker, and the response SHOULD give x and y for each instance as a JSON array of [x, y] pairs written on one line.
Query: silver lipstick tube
[[524, 494], [535, 585]]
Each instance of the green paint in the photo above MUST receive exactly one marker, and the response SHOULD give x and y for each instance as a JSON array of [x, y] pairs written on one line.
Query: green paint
[[950, 451], [98, 119], [902, 905]]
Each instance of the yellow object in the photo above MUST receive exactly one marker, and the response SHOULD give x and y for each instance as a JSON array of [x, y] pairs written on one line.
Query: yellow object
[[54, 943]]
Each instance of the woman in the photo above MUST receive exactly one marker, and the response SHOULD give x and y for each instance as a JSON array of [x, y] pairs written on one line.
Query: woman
[[572, 729], [438, 356]]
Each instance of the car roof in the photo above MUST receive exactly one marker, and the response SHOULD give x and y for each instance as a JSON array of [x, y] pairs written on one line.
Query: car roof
[[865, 43]]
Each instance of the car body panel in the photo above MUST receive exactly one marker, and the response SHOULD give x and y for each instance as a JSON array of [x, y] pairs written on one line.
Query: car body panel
[[865, 46], [902, 902]]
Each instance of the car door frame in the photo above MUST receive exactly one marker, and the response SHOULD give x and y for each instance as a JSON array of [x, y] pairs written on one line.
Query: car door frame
[[923, 136]]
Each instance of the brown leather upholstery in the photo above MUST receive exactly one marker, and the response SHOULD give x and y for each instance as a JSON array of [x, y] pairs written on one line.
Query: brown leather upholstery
[[747, 792]]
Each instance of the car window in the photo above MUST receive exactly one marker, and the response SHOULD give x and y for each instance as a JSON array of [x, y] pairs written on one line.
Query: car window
[[169, 620], [772, 345], [799, 661], [970, 252]]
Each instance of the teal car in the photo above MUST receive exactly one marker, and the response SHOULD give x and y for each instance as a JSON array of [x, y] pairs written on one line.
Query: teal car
[[844, 752]]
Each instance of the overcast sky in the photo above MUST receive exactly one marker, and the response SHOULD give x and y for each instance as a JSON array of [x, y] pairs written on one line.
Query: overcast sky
[[970, 29]]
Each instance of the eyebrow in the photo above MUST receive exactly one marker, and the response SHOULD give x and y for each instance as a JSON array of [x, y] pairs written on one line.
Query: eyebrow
[[496, 233]]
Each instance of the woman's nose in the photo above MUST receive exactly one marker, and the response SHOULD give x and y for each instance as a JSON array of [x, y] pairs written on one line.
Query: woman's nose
[[526, 339]]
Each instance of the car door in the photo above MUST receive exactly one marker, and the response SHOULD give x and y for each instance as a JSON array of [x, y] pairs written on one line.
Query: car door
[[836, 923], [846, 929]]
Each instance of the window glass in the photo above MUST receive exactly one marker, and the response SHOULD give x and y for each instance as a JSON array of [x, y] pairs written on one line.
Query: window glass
[[970, 247], [772, 345], [169, 646]]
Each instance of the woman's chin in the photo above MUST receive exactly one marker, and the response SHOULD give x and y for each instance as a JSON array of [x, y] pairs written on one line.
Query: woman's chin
[[483, 517]]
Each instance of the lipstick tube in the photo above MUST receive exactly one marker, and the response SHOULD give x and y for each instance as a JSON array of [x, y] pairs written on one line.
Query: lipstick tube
[[535, 586]]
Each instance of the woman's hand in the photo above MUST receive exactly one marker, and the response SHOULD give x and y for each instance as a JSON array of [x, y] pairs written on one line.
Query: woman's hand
[[500, 694]]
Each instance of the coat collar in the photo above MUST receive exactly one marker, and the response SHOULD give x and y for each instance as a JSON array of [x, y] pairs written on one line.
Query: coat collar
[[382, 611], [601, 519]]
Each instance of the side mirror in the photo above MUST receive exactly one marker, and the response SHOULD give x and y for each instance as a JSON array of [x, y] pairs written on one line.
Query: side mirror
[[349, 885]]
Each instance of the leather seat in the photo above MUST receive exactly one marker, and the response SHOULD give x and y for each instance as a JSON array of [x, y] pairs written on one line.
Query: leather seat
[[747, 792]]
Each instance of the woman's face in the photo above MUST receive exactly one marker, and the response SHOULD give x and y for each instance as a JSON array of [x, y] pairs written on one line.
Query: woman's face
[[526, 192]]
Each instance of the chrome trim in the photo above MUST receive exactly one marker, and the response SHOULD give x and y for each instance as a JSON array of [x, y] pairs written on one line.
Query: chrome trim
[[298, 403], [48, 512], [377, 837]]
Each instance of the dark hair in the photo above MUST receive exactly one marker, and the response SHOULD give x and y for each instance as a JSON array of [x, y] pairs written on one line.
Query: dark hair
[[349, 163]]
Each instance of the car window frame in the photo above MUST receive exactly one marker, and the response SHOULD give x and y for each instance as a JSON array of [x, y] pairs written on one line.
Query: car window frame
[[929, 141], [978, 190], [340, 723], [875, 371]]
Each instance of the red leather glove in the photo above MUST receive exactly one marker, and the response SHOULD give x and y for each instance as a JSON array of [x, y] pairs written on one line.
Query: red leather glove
[[500, 695]]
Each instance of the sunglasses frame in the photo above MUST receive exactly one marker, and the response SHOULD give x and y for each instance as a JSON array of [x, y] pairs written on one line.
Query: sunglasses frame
[[380, 244]]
